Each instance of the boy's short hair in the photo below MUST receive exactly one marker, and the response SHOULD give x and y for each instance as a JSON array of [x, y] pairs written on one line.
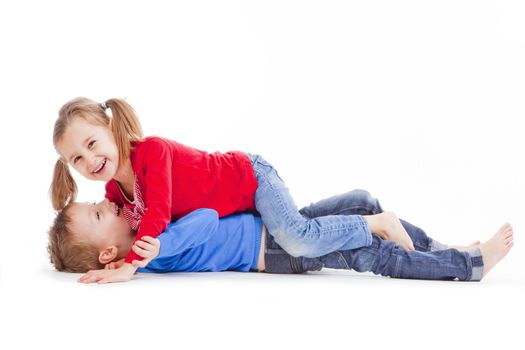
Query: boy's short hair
[[66, 252]]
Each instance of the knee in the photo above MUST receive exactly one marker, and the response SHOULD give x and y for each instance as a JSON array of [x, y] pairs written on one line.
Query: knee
[[365, 200]]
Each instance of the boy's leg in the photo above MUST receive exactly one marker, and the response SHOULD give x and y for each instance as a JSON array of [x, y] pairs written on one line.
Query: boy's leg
[[382, 258], [360, 202], [356, 202], [389, 259], [297, 234]]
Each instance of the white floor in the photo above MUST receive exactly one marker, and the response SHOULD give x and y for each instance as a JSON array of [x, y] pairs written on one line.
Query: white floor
[[233, 310]]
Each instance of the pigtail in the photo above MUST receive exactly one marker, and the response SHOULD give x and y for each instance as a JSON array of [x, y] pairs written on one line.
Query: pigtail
[[125, 126], [63, 187]]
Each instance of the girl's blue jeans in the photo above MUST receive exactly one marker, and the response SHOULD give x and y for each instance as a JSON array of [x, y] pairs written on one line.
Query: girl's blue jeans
[[298, 234], [430, 260]]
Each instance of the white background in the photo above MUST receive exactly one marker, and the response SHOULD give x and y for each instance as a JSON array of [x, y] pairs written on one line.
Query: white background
[[419, 102]]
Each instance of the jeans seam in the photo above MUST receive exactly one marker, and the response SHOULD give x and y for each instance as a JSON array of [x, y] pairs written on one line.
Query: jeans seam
[[398, 266], [352, 208], [342, 259]]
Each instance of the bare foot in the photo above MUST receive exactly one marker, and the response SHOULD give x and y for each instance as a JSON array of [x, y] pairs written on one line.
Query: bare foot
[[497, 247], [464, 248], [387, 226]]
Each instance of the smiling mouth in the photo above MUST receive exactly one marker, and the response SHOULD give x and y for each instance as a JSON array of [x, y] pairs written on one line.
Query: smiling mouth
[[100, 167]]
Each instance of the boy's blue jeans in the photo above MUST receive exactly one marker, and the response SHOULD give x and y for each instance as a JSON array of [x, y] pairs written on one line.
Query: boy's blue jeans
[[298, 234], [430, 260]]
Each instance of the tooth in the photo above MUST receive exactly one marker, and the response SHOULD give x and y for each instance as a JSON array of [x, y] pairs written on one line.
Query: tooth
[[100, 166]]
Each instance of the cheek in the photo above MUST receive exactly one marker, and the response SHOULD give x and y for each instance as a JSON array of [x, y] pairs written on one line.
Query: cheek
[[120, 224], [82, 170]]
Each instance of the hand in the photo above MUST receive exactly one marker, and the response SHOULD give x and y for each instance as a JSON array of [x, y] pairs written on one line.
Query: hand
[[122, 274], [114, 265], [148, 248]]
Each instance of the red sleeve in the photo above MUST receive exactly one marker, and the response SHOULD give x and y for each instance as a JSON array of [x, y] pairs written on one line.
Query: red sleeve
[[112, 193], [156, 184]]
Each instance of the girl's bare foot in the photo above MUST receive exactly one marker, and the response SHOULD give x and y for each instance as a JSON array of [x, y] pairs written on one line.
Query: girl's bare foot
[[497, 247], [464, 248], [387, 226]]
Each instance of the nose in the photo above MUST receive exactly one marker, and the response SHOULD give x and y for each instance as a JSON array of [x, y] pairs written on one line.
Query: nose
[[93, 162], [104, 204], [110, 206]]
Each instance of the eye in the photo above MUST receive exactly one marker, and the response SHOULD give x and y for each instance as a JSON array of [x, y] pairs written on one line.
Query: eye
[[91, 144], [76, 159], [98, 216]]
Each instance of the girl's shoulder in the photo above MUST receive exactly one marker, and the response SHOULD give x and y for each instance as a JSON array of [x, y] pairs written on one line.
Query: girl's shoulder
[[153, 143], [157, 144], [149, 140]]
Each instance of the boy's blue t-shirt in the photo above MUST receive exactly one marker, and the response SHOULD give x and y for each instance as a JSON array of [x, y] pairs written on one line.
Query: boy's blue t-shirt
[[200, 241]]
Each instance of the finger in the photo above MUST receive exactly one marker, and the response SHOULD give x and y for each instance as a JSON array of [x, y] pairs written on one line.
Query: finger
[[143, 253], [137, 263], [94, 275], [149, 239], [90, 279], [144, 245], [85, 276]]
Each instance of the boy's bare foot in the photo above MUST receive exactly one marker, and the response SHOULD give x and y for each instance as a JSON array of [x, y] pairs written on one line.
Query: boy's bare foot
[[387, 226], [497, 247], [464, 248]]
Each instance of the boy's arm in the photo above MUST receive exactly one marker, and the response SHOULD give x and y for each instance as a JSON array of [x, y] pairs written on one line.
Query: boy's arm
[[188, 232]]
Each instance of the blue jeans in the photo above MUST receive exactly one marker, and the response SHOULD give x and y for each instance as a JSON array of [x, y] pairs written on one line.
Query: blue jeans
[[299, 234], [431, 259]]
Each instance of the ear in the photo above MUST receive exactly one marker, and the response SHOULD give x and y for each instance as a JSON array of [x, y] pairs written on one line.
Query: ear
[[108, 254]]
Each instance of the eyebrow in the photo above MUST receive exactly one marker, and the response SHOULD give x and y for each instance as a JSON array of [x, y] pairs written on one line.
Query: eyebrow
[[83, 144]]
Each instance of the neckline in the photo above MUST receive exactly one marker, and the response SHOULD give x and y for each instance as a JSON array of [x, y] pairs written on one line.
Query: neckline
[[124, 195]]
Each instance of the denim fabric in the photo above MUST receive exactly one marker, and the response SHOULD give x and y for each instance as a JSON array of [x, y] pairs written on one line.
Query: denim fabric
[[381, 257], [298, 234]]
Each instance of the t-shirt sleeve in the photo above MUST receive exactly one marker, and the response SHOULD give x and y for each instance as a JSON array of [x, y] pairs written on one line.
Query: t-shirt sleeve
[[157, 181]]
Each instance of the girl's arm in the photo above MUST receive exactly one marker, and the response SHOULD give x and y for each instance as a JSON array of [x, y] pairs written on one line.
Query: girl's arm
[[157, 180]]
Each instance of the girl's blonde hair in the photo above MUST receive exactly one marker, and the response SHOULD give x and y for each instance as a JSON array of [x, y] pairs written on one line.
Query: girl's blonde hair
[[125, 127], [66, 252]]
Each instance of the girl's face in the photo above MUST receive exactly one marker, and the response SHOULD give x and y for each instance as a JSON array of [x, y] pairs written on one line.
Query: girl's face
[[90, 149]]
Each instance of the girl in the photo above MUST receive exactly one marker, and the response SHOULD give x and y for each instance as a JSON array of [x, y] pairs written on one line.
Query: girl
[[156, 180]]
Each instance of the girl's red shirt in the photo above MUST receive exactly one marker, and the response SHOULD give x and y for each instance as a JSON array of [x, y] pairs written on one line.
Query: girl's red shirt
[[175, 179]]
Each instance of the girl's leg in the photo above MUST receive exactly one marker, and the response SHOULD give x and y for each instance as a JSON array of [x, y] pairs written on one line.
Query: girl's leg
[[295, 233], [389, 259]]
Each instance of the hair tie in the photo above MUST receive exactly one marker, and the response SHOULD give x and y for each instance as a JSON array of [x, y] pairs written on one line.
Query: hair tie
[[103, 105]]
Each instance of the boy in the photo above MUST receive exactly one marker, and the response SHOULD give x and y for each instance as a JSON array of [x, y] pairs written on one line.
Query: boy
[[87, 237]]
